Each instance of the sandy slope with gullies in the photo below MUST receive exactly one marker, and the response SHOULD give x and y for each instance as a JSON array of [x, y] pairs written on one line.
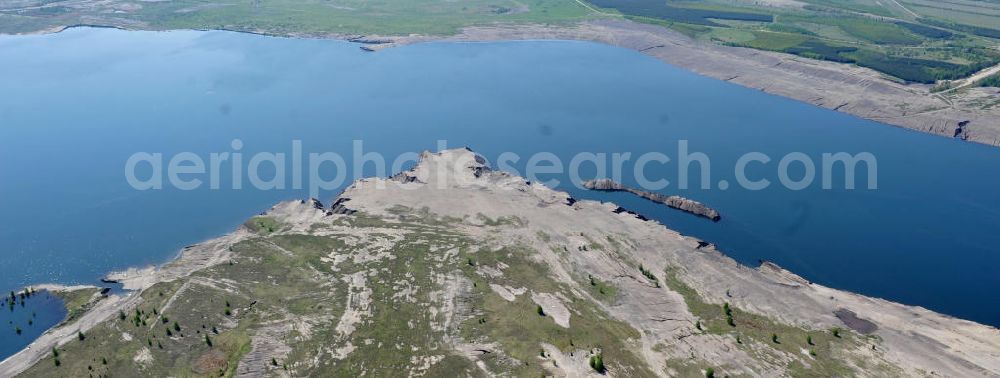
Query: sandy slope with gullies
[[455, 184], [842, 87]]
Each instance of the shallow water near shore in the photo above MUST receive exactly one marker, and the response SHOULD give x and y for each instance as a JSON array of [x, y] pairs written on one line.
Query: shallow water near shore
[[77, 104], [32, 316]]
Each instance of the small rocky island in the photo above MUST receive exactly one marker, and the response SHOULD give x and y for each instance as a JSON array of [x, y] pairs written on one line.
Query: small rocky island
[[454, 269], [677, 202]]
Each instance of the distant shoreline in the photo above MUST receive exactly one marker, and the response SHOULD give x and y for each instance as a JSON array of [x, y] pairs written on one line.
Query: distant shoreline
[[840, 87]]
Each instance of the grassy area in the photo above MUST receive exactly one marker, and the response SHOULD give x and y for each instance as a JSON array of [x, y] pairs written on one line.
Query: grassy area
[[201, 326], [263, 225], [296, 17], [520, 329], [991, 81], [876, 31], [816, 353], [77, 302], [982, 13], [860, 6], [690, 14], [879, 35]]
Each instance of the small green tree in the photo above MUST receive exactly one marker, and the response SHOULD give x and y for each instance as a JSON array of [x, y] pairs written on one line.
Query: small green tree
[[597, 363], [208, 341], [697, 324], [104, 361], [177, 327], [540, 311], [809, 340], [274, 362], [79, 335], [55, 352], [836, 332], [709, 373], [774, 338], [121, 315]]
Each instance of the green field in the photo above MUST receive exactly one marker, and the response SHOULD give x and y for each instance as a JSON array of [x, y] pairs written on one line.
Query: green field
[[294, 17], [991, 81], [912, 45]]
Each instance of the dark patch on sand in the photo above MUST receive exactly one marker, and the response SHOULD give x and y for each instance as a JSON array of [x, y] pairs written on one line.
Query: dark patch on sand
[[854, 322]]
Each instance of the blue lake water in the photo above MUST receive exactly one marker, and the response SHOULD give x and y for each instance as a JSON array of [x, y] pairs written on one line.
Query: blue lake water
[[75, 105], [30, 315]]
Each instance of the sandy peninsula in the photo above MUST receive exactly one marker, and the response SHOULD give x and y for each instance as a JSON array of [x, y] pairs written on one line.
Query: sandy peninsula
[[445, 247]]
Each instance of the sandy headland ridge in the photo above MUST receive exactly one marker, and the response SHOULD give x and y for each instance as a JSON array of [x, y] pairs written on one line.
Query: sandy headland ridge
[[453, 192]]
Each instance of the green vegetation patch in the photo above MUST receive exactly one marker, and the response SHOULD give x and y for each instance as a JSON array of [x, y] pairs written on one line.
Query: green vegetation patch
[[136, 341], [914, 69], [926, 31], [602, 289], [876, 31], [660, 9], [862, 6], [77, 302], [263, 225], [775, 41], [355, 16], [861, 32], [827, 352], [971, 29], [520, 328], [990, 81]]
